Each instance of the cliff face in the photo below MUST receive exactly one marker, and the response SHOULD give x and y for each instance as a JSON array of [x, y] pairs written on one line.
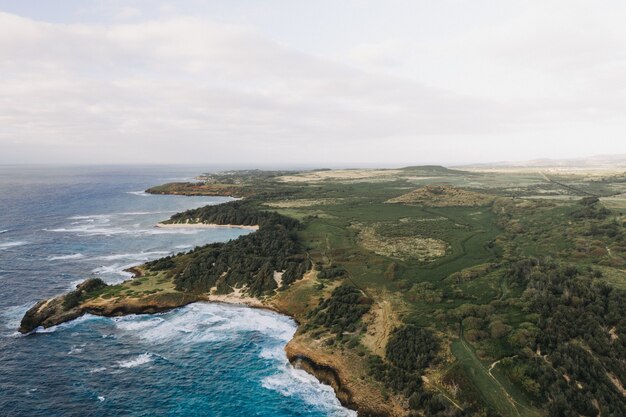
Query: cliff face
[[340, 370], [48, 313]]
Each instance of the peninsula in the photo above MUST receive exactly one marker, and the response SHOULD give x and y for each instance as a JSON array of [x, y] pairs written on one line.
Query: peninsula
[[421, 291]]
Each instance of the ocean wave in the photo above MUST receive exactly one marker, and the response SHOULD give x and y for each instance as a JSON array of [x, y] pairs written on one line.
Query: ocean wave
[[136, 361], [139, 256], [275, 353], [3, 231], [89, 230], [7, 245], [119, 270], [207, 322], [68, 325], [142, 213], [76, 349], [130, 323], [100, 230], [12, 316], [141, 193], [183, 246], [292, 382], [91, 217], [64, 257]]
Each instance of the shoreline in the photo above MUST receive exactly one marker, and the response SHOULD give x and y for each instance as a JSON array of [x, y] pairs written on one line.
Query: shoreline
[[204, 226], [322, 366], [298, 356]]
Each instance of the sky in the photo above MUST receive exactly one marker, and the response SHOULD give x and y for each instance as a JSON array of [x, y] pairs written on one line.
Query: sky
[[322, 83]]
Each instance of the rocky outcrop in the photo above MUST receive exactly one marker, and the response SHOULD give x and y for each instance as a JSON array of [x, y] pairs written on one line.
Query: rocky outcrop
[[334, 368], [47, 313], [68, 307]]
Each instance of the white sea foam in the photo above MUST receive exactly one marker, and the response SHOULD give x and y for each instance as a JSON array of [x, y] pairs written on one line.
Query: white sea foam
[[207, 322], [140, 256], [100, 217], [100, 398], [65, 257], [140, 193], [292, 382], [117, 269], [98, 229], [67, 325], [3, 231], [97, 370], [131, 323], [91, 230], [12, 316], [273, 353], [136, 361], [7, 245], [76, 349]]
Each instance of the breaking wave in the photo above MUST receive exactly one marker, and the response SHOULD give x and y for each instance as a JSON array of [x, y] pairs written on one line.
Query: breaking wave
[[65, 257], [7, 245], [136, 361]]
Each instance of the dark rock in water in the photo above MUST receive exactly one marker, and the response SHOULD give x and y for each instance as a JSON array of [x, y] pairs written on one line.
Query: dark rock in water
[[48, 313], [60, 309]]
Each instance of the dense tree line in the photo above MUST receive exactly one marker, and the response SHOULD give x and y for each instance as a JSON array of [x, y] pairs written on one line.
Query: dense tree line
[[342, 311], [331, 272], [249, 261], [590, 209], [83, 291], [237, 212], [576, 360], [162, 264], [410, 350]]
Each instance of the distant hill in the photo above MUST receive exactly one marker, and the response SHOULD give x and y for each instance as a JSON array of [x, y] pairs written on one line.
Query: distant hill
[[593, 162]]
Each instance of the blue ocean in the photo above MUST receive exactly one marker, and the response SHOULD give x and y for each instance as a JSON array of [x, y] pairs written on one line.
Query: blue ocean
[[59, 226]]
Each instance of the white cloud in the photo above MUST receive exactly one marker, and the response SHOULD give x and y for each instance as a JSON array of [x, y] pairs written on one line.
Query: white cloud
[[183, 88]]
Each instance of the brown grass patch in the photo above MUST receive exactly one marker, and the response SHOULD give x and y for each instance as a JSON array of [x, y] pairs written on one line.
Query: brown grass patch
[[443, 196], [342, 175], [401, 247]]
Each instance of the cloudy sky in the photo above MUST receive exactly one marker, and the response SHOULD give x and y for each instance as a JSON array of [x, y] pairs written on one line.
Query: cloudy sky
[[310, 82]]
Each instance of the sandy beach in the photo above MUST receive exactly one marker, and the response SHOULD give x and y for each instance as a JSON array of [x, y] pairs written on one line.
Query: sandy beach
[[203, 226]]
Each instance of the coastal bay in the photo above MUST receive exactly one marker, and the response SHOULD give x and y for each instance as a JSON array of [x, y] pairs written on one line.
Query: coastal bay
[[117, 359]]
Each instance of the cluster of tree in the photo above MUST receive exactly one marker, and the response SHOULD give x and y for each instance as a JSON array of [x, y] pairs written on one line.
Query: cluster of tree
[[574, 362], [250, 261], [162, 264], [83, 291], [331, 272], [612, 230], [410, 350], [237, 212], [342, 311], [245, 176], [591, 209]]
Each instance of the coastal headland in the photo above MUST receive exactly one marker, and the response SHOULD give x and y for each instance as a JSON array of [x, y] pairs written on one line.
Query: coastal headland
[[417, 291]]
